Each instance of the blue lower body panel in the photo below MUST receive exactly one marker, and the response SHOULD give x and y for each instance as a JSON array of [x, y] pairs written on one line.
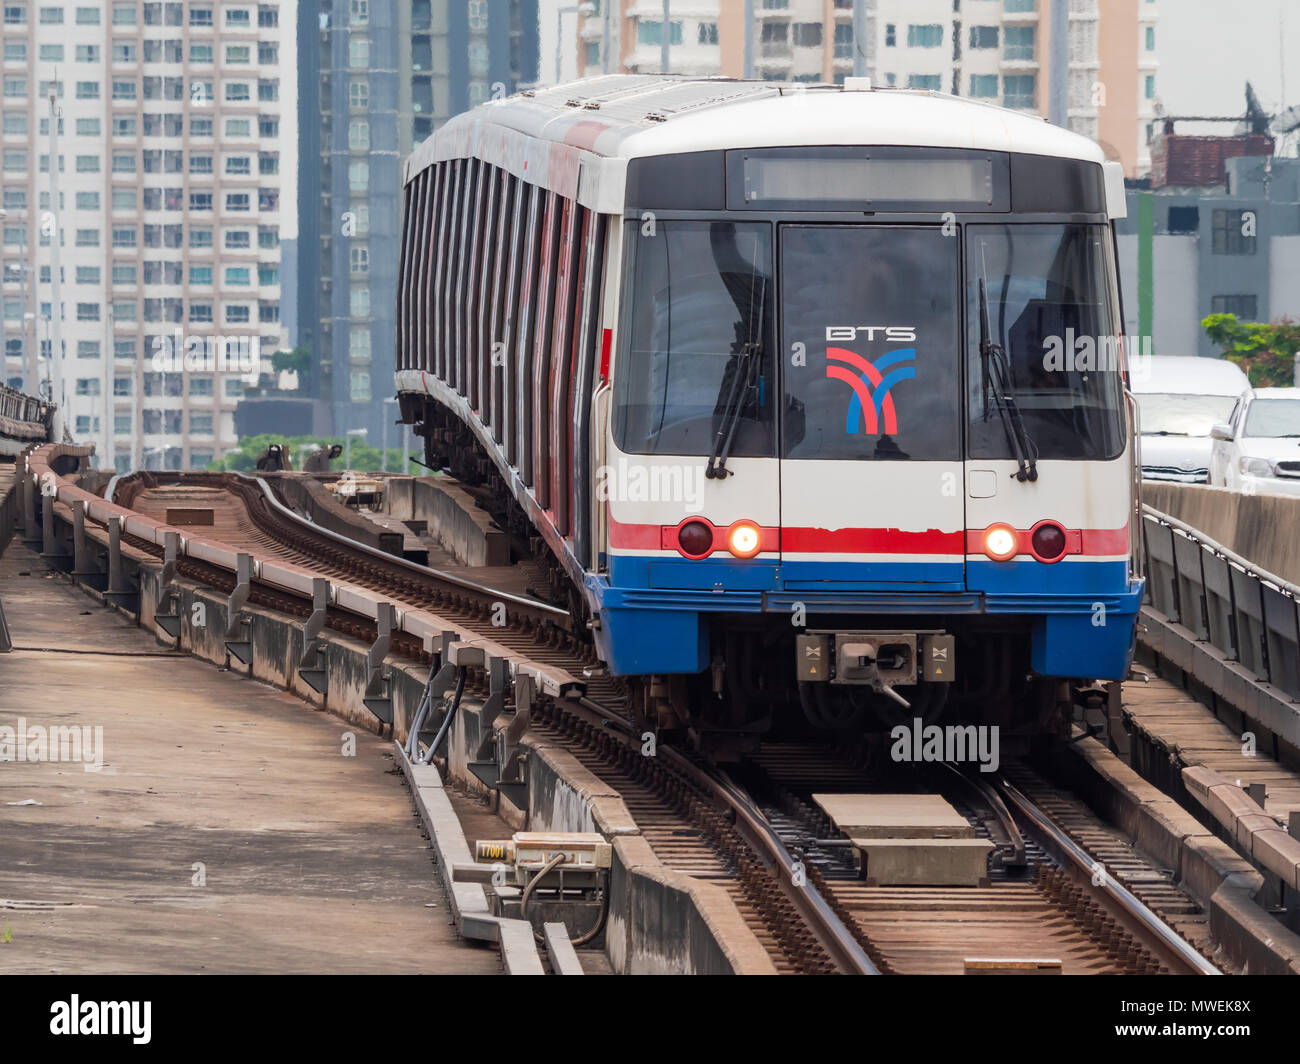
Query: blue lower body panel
[[1081, 617]]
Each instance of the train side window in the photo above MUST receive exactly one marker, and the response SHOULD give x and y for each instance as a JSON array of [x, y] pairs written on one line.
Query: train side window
[[409, 222], [443, 287], [418, 298], [579, 422], [557, 213], [428, 306], [568, 294], [415, 223], [403, 270], [464, 242], [510, 314], [528, 304], [487, 267], [478, 239], [496, 311]]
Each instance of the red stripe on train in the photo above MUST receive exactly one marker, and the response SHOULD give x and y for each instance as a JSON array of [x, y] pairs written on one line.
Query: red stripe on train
[[1087, 542]]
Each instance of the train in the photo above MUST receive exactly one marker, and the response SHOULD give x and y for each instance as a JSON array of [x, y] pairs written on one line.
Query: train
[[811, 396]]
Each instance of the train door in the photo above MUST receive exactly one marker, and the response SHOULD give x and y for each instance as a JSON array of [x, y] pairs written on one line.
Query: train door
[[871, 469]]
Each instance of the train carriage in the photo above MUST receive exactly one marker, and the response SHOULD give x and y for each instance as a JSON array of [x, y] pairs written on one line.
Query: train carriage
[[815, 395]]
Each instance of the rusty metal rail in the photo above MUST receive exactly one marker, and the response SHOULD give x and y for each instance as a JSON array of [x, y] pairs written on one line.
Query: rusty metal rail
[[1130, 911]]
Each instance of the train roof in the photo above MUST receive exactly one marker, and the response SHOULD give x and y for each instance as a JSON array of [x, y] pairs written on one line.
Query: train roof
[[632, 115], [614, 118]]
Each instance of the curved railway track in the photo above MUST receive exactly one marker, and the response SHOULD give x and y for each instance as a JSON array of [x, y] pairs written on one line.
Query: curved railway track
[[691, 819], [801, 905]]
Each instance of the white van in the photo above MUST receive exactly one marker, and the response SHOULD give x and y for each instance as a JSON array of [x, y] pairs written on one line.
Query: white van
[[1180, 399]]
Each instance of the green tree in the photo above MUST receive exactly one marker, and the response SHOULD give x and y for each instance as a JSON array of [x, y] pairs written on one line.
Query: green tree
[[1266, 351], [364, 457]]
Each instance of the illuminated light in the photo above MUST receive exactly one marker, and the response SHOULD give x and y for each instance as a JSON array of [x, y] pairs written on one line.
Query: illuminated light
[[1001, 542], [743, 539], [695, 539], [1048, 542]]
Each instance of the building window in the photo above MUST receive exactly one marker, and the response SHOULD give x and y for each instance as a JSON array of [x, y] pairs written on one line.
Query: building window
[[933, 82], [201, 424], [1151, 39], [359, 343], [87, 348], [237, 275], [361, 385], [924, 36], [236, 201], [359, 134], [1246, 308], [1019, 43], [237, 18], [706, 34], [984, 86], [87, 385], [1234, 232], [358, 94], [984, 37], [1018, 90], [650, 31], [360, 301], [1016, 7], [237, 315], [807, 35], [891, 35], [359, 177], [359, 53], [1151, 86]]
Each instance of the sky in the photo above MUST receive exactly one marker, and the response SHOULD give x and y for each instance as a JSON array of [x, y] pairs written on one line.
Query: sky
[[1209, 49]]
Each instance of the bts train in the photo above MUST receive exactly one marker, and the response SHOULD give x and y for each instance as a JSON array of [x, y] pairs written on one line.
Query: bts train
[[814, 396]]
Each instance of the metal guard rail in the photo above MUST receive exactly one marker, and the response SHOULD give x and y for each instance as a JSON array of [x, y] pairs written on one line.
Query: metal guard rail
[[1250, 615], [428, 627]]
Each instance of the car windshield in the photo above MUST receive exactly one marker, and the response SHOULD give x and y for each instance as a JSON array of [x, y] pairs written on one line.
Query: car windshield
[[1273, 417], [1183, 415]]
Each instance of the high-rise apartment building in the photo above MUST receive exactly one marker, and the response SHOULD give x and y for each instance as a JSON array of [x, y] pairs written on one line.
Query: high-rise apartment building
[[994, 50], [172, 125], [376, 78]]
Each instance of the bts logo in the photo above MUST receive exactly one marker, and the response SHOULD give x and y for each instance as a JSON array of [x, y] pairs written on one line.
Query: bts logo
[[871, 403]]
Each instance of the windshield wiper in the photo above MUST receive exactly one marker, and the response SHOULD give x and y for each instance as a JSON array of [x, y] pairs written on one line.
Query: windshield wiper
[[997, 379], [741, 382]]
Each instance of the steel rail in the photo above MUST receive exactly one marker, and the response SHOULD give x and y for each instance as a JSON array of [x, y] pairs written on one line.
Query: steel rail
[[541, 610], [834, 937], [1160, 936]]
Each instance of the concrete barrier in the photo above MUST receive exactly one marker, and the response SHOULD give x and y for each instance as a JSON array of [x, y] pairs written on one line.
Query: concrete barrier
[[1264, 529], [454, 518]]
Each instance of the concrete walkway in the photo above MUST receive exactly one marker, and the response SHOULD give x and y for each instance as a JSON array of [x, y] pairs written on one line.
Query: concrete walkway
[[226, 831]]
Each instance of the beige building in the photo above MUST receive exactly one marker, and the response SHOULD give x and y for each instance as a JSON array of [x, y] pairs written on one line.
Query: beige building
[[173, 117], [995, 50]]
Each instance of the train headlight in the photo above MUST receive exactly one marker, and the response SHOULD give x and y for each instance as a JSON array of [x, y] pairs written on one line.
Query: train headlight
[[1001, 543], [743, 539], [695, 539], [1048, 542]]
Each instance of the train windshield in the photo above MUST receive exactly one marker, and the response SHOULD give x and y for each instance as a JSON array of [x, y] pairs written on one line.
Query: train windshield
[[698, 357], [869, 316], [1040, 324]]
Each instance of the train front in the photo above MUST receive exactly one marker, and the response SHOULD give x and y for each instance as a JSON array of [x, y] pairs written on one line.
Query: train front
[[869, 450]]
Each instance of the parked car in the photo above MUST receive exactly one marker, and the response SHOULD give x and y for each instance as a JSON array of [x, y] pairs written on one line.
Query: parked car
[[1180, 399], [1258, 448]]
